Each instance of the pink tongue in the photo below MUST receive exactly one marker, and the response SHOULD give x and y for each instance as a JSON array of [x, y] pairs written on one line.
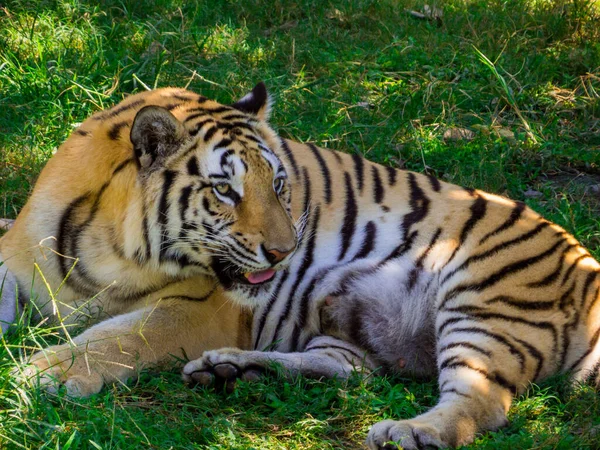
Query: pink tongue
[[259, 277]]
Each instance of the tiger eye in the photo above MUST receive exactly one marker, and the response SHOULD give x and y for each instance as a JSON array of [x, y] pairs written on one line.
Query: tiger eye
[[223, 188]]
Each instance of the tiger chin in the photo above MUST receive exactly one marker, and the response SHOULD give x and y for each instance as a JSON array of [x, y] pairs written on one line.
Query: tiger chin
[[141, 228], [402, 272]]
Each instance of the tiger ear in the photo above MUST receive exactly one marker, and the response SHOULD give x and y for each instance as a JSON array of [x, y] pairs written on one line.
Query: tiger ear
[[155, 134], [257, 102]]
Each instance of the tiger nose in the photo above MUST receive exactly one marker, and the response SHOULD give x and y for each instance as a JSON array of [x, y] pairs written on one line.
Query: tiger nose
[[274, 255]]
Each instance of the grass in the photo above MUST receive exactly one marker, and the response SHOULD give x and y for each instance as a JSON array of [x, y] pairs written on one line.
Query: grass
[[359, 75]]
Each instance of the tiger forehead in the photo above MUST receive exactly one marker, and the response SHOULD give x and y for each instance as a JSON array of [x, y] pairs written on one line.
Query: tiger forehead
[[239, 158]]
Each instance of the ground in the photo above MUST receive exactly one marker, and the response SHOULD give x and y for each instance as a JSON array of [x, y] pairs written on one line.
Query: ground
[[498, 95]]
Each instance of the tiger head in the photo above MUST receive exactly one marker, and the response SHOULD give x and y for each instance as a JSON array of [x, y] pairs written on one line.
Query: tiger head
[[221, 194]]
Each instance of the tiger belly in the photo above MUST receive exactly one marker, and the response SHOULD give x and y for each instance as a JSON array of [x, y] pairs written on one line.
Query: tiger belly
[[389, 312]]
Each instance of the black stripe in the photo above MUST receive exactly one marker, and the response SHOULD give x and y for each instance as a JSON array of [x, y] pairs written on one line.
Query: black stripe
[[303, 312], [206, 206], [435, 183], [495, 377], [307, 196], [290, 157], [492, 252], [263, 318], [209, 133], [378, 191], [591, 348], [113, 112], [335, 347], [402, 248], [146, 232], [194, 131], [337, 156], [569, 327], [419, 205], [81, 268], [216, 110], [500, 274], [414, 274], [448, 322], [186, 297], [543, 305], [192, 166], [593, 302], [67, 228], [163, 210], [195, 116], [392, 174], [498, 338], [324, 172], [350, 214], [552, 276], [184, 98], [566, 299], [359, 170], [224, 156], [252, 138], [514, 217], [369, 242], [81, 132], [307, 261], [70, 232], [544, 325], [234, 117], [478, 209], [572, 268], [233, 125], [221, 109], [475, 312], [465, 345], [184, 201], [454, 391], [586, 287], [535, 354]]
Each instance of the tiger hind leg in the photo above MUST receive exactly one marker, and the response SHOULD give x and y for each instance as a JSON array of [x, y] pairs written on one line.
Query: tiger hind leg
[[481, 368]]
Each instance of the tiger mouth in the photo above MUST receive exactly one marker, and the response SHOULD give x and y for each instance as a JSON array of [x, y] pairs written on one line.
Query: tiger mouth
[[230, 276]]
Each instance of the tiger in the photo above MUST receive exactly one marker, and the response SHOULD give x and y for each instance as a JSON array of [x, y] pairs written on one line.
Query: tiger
[[383, 270], [401, 272], [135, 229]]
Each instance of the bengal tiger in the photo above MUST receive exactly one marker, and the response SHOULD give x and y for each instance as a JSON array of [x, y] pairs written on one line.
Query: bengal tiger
[[137, 225], [382, 269]]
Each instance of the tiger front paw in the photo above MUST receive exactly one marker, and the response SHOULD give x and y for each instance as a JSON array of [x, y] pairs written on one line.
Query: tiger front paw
[[405, 434], [223, 368], [63, 365]]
